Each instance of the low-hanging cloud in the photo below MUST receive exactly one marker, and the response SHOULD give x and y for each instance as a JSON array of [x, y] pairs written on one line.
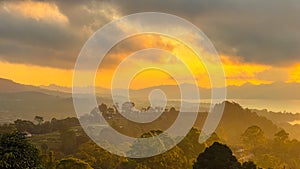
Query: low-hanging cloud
[[265, 32], [258, 31]]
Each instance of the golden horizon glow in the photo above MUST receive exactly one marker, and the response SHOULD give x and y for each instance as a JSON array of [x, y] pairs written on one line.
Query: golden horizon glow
[[295, 73], [38, 75], [236, 70], [239, 73], [35, 75]]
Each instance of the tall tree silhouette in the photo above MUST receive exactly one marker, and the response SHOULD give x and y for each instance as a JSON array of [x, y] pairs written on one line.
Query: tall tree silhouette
[[17, 153], [217, 156]]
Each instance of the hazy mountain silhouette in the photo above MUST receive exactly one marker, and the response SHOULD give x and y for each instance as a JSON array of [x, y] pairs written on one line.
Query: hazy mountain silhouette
[[278, 90], [54, 87], [236, 120], [9, 86], [26, 101], [27, 105], [283, 120]]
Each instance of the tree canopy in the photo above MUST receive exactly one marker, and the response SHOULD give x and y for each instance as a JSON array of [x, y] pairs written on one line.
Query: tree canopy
[[73, 163], [17, 153], [217, 156]]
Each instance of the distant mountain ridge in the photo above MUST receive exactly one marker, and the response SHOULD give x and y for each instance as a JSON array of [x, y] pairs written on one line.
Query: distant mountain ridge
[[55, 87], [282, 120], [9, 86], [278, 90], [26, 101], [236, 120]]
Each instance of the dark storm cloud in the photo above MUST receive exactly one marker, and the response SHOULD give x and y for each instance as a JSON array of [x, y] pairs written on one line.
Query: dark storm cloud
[[15, 52], [31, 31], [38, 42], [47, 42], [86, 13], [258, 31]]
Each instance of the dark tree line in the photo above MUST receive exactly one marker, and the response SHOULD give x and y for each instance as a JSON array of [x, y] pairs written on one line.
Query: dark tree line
[[219, 156], [17, 153], [45, 127]]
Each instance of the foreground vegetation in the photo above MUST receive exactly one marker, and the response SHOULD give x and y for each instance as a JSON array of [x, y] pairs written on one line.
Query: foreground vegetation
[[63, 144], [17, 153]]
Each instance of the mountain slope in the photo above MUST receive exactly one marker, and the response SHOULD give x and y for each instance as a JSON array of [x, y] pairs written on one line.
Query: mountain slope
[[26, 105], [9, 86], [236, 120], [277, 90]]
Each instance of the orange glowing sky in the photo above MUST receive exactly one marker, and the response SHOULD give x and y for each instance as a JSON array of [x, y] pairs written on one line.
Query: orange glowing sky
[[237, 70]]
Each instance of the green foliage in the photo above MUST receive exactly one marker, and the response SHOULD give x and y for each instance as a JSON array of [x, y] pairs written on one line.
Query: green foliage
[[25, 125], [268, 161], [103, 108], [190, 145], [132, 164], [172, 159], [127, 106], [69, 142], [253, 137], [7, 128], [281, 136], [277, 153], [249, 165], [66, 138], [212, 139], [217, 156], [153, 145], [17, 153], [46, 127], [236, 120], [98, 157], [72, 163], [50, 164], [39, 119]]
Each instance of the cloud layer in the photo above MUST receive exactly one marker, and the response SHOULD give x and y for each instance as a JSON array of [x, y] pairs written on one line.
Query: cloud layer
[[264, 32], [257, 31]]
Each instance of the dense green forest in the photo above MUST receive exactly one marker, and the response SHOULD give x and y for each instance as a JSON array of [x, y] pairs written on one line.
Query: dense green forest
[[243, 140]]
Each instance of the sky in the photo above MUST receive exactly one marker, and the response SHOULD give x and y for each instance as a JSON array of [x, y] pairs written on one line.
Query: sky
[[258, 41]]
